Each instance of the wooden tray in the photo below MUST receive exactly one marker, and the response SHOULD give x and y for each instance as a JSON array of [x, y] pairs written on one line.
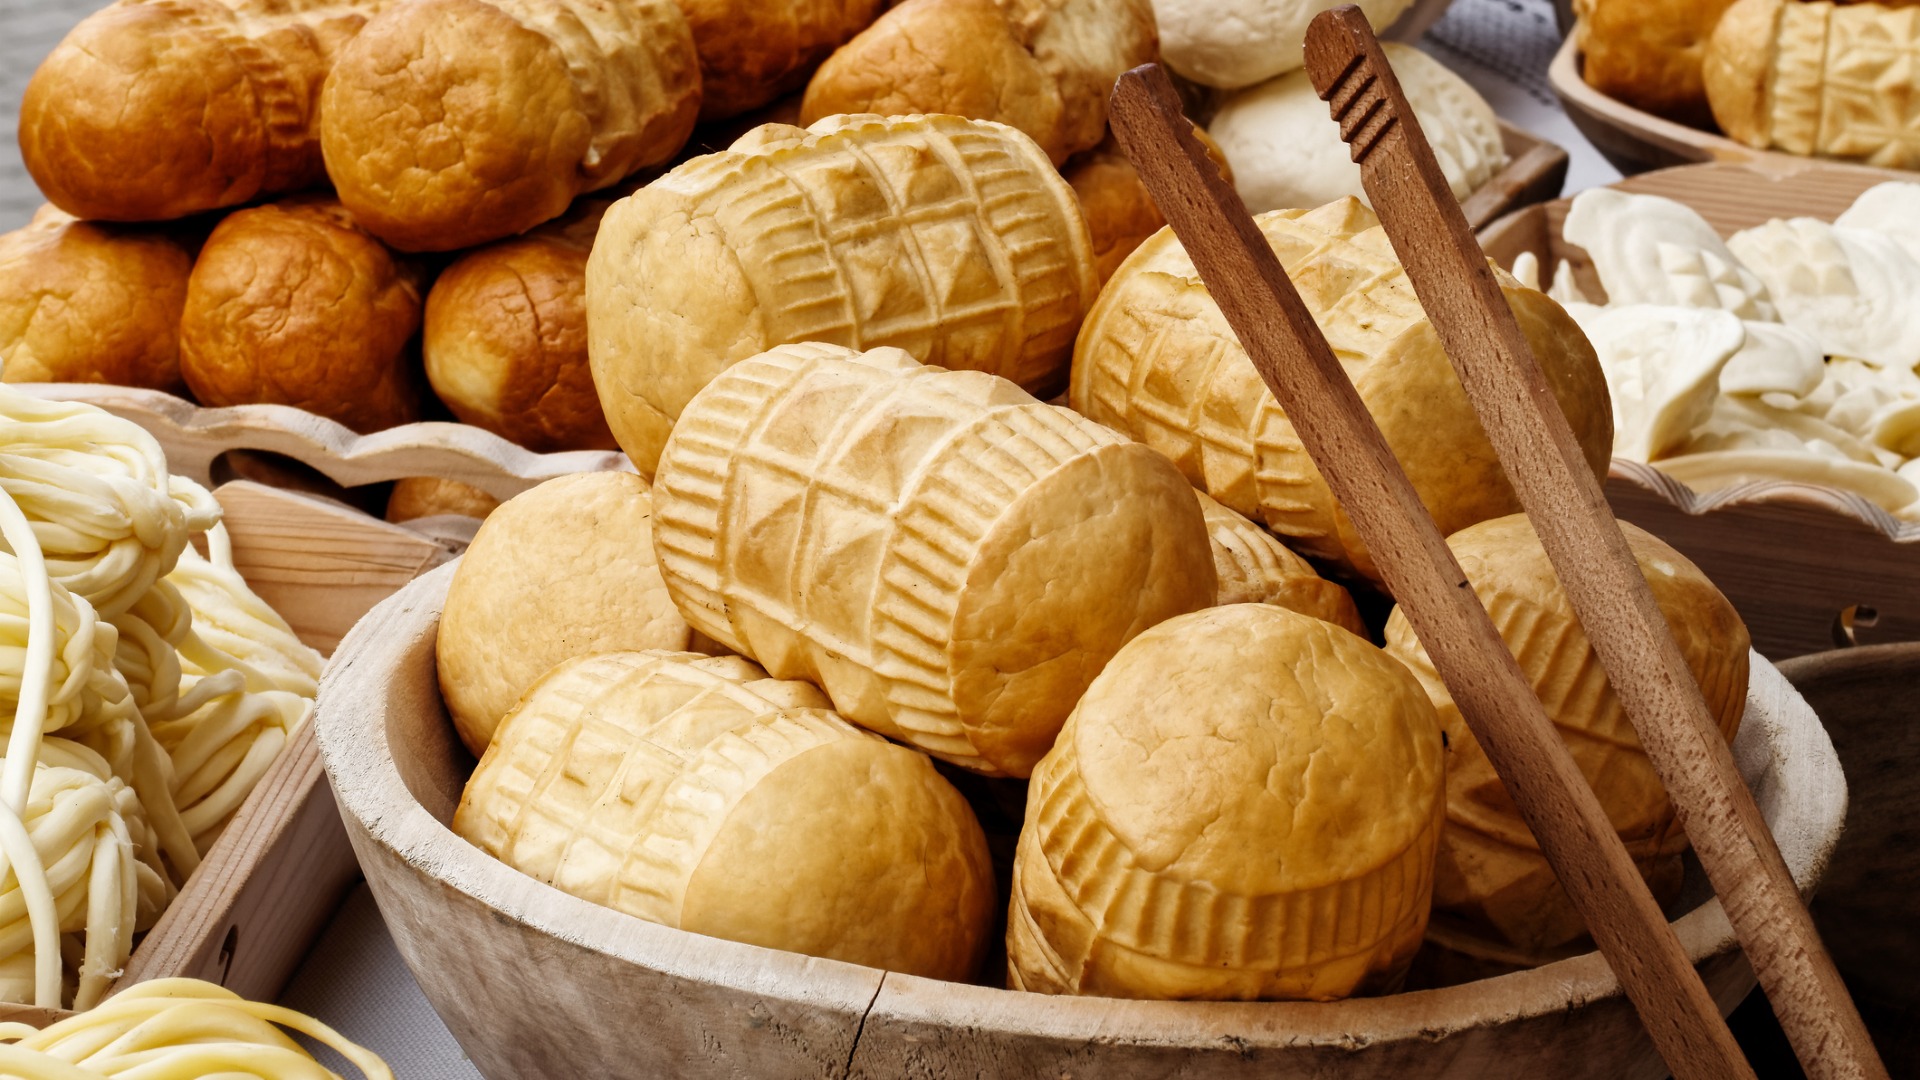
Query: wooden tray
[[266, 889], [269, 884], [1808, 567], [1636, 141], [197, 439], [535, 982]]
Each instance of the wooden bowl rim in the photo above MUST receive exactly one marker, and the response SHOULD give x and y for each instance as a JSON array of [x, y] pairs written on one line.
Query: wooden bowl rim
[[371, 792], [1683, 140]]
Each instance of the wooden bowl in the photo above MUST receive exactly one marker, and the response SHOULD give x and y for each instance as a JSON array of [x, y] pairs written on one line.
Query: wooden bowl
[[1868, 909], [534, 982], [1808, 567], [1636, 141]]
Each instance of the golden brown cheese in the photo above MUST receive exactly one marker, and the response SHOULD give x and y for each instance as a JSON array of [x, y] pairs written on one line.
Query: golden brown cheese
[[951, 560], [563, 570], [1157, 360], [449, 123], [1815, 78], [1492, 883], [1244, 805], [92, 302], [697, 793], [753, 51], [952, 239], [293, 303], [150, 110], [1043, 66], [505, 338]]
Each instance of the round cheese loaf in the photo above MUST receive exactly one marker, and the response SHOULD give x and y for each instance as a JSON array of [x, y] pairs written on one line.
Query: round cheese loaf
[[1254, 568], [1244, 805], [449, 123], [754, 51], [430, 496], [1234, 43], [151, 110], [953, 239], [951, 560], [699, 794], [1492, 885], [293, 303], [505, 338], [1157, 360], [87, 302], [559, 571], [1287, 152], [1043, 66]]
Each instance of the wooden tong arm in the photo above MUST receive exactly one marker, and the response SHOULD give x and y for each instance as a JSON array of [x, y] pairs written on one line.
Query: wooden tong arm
[[1537, 448], [1273, 324]]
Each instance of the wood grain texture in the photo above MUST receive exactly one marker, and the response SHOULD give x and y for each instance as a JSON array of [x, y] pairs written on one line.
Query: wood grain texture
[[535, 982], [1244, 277], [1542, 458], [266, 889], [319, 564], [1868, 908], [1536, 170], [1791, 556], [195, 437]]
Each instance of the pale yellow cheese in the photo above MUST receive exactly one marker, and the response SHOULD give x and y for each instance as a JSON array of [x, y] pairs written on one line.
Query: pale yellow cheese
[[1491, 882], [951, 560], [1244, 805], [953, 239], [1158, 361], [699, 794]]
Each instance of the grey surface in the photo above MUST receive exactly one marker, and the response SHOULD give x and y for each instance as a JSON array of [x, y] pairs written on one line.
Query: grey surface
[[29, 29], [354, 979], [355, 982]]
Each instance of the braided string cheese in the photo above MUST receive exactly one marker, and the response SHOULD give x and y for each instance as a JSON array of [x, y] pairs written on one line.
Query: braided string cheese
[[178, 1029], [76, 841], [248, 683], [106, 512], [95, 490], [241, 631]]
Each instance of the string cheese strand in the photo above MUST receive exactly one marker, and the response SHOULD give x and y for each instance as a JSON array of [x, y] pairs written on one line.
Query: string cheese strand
[[180, 1029], [98, 492], [30, 714]]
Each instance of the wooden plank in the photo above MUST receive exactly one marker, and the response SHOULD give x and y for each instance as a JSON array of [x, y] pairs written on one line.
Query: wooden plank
[[319, 564], [195, 438], [1536, 171]]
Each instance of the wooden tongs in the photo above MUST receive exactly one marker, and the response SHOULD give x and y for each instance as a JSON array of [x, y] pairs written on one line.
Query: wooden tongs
[[1563, 498]]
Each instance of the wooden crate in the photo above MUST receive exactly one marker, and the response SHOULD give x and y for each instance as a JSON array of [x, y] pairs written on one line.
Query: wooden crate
[[1808, 567], [266, 889]]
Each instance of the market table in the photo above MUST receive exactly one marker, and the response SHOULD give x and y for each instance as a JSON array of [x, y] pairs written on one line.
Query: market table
[[354, 979]]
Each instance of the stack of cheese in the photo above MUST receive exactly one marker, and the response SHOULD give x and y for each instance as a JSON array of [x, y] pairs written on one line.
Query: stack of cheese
[[713, 697], [499, 131], [146, 690], [1786, 352], [1799, 76]]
